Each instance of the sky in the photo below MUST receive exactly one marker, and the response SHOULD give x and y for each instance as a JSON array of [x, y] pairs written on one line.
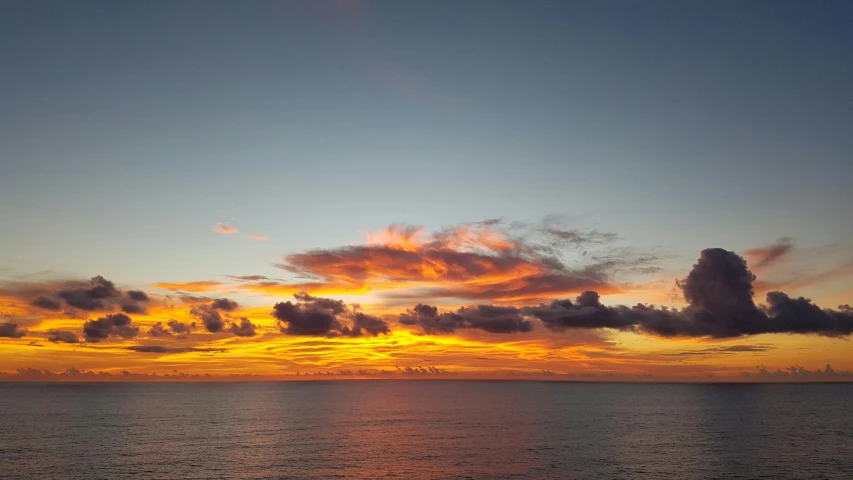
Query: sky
[[382, 188]]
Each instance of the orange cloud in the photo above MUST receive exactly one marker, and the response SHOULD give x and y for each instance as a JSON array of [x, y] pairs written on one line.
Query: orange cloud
[[259, 237], [470, 262], [223, 228]]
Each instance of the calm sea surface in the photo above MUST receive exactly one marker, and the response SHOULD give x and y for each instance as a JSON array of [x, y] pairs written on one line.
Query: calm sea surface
[[425, 429]]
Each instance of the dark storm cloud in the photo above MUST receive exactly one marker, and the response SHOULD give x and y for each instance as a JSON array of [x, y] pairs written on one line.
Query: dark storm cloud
[[62, 336], [46, 303], [719, 294], [766, 256], [114, 325], [315, 316], [162, 349], [489, 318], [244, 329], [11, 330]]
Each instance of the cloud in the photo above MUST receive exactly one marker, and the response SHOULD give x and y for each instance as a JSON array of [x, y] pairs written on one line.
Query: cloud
[[195, 287], [46, 303], [137, 295], [209, 316], [315, 316], [719, 294], [722, 350], [244, 329], [224, 304], [209, 313], [95, 294], [800, 373], [181, 328], [223, 228], [258, 237], [248, 278], [489, 318], [11, 330], [771, 254], [162, 349], [62, 336], [158, 330], [114, 325], [488, 260]]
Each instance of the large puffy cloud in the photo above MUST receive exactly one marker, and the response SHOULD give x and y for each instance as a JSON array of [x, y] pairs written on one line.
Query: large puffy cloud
[[315, 316], [114, 325], [719, 293], [490, 318], [11, 330]]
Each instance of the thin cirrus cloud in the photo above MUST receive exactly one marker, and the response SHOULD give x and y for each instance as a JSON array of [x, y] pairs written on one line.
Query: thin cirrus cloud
[[258, 237]]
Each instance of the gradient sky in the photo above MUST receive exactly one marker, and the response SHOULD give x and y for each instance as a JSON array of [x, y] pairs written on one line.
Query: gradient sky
[[135, 135]]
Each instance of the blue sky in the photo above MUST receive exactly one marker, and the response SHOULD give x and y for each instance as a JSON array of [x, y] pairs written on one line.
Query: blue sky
[[128, 129]]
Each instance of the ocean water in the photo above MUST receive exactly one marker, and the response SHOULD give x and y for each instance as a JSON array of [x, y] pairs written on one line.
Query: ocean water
[[425, 429]]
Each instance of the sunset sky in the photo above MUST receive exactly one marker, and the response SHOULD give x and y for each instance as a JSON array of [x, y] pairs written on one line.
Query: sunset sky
[[581, 189]]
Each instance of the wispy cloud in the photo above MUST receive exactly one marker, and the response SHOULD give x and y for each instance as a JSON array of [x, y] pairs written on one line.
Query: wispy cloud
[[258, 237], [769, 255], [224, 228]]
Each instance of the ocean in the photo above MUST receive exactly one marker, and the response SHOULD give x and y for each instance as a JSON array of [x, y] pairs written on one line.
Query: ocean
[[425, 429]]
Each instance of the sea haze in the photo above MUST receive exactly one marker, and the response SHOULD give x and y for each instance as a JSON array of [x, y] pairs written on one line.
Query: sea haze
[[426, 429]]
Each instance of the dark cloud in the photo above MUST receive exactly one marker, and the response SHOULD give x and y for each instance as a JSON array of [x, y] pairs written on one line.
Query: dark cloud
[[181, 328], [95, 294], [800, 315], [46, 303], [766, 256], [489, 318], [719, 294], [137, 295], [244, 329], [133, 309], [224, 304], [209, 316], [91, 296], [722, 350], [158, 330], [162, 349], [209, 313], [114, 325], [62, 336], [317, 316], [800, 373], [11, 330]]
